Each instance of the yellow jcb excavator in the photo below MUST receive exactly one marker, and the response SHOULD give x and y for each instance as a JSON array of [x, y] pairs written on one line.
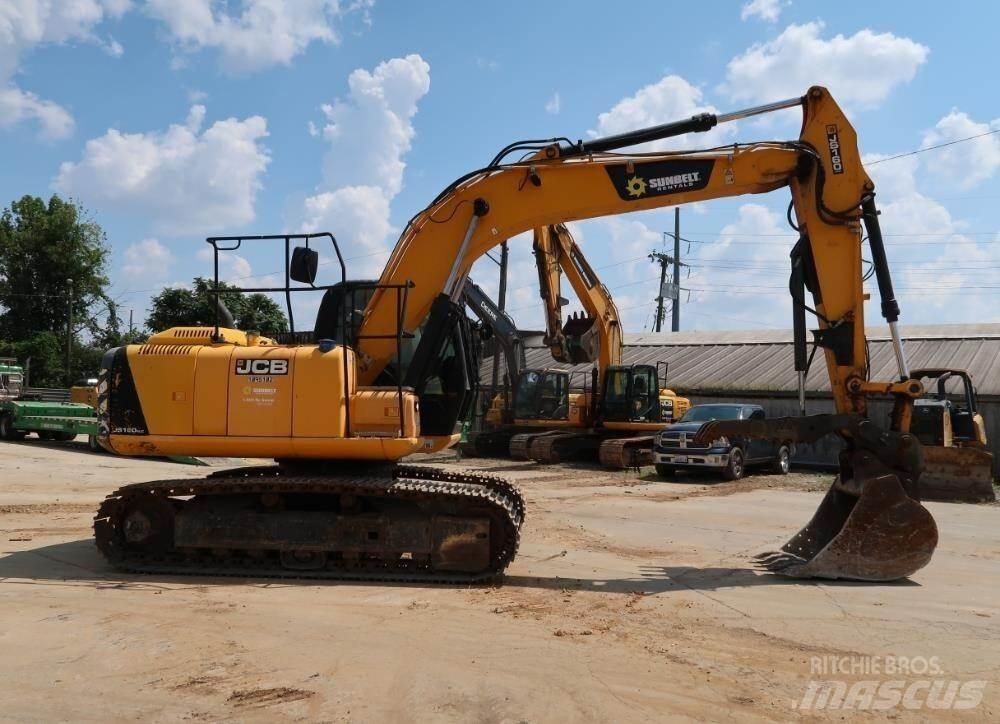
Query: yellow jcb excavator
[[536, 399], [548, 402], [389, 373], [627, 404]]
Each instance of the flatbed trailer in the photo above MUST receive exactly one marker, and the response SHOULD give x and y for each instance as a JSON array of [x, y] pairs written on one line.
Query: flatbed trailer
[[48, 420]]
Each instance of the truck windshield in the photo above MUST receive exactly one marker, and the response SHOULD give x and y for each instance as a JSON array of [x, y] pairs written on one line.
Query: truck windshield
[[706, 413]]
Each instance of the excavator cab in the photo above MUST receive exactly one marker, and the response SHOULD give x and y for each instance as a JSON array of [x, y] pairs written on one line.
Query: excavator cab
[[638, 393], [446, 378], [542, 395], [631, 394]]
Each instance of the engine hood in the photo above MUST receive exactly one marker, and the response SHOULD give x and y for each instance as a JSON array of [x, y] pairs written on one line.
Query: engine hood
[[691, 427]]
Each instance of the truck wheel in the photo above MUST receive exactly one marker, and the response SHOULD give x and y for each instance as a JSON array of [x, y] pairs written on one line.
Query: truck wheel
[[783, 461], [92, 444], [665, 471], [734, 470], [64, 436], [45, 435], [7, 431]]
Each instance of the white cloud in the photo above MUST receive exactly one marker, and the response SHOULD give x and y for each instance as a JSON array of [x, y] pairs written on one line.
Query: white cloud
[[25, 24], [768, 10], [936, 267], [362, 208], [859, 70], [147, 260], [236, 269], [369, 133], [183, 179], [671, 98], [739, 280], [17, 105], [371, 129], [114, 48], [966, 163], [253, 34], [553, 105]]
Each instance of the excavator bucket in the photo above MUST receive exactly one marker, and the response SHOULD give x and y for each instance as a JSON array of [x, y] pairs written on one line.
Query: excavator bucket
[[881, 535], [957, 473], [582, 339], [869, 526]]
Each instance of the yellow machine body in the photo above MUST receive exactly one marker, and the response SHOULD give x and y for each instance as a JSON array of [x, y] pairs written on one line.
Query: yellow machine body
[[259, 399]]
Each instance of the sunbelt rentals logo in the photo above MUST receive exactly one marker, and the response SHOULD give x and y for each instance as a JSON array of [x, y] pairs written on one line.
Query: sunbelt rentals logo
[[638, 186]]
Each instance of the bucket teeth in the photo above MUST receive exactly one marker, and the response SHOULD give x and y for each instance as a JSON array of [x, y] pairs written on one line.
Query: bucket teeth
[[787, 564]]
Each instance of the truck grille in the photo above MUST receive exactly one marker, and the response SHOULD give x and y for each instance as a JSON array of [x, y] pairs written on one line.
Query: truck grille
[[681, 440]]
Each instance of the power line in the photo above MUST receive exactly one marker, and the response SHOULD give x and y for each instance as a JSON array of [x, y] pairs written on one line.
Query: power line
[[932, 148]]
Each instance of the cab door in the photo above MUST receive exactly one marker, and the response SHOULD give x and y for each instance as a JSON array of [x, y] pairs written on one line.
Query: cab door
[[645, 394]]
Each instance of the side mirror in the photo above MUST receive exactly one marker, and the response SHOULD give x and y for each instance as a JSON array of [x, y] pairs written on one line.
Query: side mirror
[[302, 267]]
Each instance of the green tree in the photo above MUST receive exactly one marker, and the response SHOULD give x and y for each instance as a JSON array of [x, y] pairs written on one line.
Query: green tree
[[194, 307], [42, 247]]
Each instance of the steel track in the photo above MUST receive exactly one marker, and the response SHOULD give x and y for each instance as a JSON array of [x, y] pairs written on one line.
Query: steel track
[[499, 497]]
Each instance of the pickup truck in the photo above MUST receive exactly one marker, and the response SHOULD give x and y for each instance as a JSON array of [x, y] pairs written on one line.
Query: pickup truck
[[673, 448]]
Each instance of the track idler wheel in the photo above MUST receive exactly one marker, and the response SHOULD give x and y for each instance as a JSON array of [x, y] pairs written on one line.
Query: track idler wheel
[[142, 523], [867, 528]]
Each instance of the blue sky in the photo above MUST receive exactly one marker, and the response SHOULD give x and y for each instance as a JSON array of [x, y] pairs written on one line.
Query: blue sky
[[174, 120]]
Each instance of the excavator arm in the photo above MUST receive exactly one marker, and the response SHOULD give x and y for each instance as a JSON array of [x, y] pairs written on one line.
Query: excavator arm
[[504, 330], [871, 525], [596, 335]]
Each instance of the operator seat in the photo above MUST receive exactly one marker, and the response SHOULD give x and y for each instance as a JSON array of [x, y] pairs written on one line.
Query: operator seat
[[329, 318]]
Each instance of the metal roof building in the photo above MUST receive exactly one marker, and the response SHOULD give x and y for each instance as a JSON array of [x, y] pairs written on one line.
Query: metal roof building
[[756, 362]]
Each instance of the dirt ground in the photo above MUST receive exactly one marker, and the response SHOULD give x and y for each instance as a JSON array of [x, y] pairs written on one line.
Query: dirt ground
[[631, 599]]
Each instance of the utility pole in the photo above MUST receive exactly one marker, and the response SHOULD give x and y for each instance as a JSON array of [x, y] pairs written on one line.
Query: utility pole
[[659, 299], [130, 324], [69, 335], [673, 292], [675, 319]]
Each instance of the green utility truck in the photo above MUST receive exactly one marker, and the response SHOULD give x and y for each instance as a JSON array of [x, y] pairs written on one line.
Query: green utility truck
[[49, 420]]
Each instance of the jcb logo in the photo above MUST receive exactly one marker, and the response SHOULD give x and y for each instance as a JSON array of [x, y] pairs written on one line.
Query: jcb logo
[[262, 367]]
